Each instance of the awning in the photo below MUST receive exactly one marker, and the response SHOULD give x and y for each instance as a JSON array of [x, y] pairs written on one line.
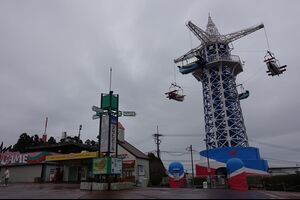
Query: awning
[[128, 163]]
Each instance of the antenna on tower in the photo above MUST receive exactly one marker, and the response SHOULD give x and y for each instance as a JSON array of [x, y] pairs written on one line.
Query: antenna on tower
[[45, 131]]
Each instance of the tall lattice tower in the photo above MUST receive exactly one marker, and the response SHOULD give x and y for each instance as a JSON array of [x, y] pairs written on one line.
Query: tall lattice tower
[[212, 63]]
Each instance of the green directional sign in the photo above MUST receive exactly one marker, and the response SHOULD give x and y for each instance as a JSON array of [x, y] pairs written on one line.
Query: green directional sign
[[105, 104]]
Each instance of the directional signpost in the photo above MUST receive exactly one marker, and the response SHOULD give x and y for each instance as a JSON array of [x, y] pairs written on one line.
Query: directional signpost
[[98, 111], [96, 116], [108, 115]]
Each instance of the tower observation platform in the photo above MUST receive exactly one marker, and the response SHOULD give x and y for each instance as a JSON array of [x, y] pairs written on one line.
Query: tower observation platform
[[213, 64]]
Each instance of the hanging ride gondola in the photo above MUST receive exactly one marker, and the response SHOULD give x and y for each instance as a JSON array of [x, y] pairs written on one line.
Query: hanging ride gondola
[[175, 92], [243, 94], [273, 65]]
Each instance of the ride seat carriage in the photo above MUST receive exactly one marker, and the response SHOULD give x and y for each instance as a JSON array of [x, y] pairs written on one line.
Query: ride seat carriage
[[273, 65], [175, 93]]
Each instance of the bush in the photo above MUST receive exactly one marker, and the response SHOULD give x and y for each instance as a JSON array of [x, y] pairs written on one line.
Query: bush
[[199, 181], [283, 182], [255, 182], [156, 169], [156, 179]]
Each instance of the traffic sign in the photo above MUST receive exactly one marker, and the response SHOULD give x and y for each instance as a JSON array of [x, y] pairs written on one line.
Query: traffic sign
[[96, 117], [129, 113], [97, 109]]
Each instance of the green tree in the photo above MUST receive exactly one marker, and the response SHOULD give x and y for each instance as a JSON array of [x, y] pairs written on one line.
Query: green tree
[[70, 139], [157, 169], [51, 140], [23, 143], [93, 143], [36, 141], [77, 140], [88, 142]]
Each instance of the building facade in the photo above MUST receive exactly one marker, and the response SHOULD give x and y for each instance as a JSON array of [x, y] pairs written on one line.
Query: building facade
[[72, 163]]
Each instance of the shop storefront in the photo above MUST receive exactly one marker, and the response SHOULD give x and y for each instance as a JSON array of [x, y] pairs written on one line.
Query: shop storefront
[[74, 167], [26, 167]]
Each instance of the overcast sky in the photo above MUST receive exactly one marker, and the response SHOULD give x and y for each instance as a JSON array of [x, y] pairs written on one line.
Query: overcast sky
[[55, 58]]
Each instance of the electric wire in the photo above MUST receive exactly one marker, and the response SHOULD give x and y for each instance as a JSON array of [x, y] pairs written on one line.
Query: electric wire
[[279, 160], [146, 139], [186, 135], [276, 146]]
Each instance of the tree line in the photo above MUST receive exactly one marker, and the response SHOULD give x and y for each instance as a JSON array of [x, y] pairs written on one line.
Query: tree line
[[26, 141]]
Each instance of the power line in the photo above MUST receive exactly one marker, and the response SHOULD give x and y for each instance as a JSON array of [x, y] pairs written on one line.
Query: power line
[[152, 151], [276, 146], [146, 139], [175, 153], [185, 135], [194, 151], [275, 159], [188, 161]]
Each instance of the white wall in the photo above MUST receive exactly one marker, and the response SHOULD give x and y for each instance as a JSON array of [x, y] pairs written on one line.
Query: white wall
[[24, 173], [143, 162]]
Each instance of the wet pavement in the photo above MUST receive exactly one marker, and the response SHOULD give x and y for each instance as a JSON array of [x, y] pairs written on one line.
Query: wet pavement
[[71, 191]]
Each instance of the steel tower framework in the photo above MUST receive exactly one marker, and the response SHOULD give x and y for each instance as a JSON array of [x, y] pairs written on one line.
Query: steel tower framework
[[213, 65]]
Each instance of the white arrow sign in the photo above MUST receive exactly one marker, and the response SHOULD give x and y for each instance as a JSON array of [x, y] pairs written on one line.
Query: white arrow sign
[[95, 117], [129, 113], [97, 109]]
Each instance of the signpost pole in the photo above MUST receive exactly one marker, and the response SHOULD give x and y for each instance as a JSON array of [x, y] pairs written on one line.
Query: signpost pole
[[109, 133], [100, 127], [117, 126], [109, 110]]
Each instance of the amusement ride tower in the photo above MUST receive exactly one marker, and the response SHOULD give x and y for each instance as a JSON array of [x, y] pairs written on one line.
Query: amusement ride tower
[[212, 63]]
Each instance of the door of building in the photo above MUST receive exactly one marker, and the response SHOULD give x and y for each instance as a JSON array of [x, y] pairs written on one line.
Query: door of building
[[73, 174]]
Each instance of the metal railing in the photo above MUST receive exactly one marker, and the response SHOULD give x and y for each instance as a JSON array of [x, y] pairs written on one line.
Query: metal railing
[[215, 58]]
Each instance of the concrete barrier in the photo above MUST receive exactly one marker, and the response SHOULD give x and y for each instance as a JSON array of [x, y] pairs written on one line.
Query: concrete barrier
[[104, 186], [86, 186], [122, 186], [99, 186]]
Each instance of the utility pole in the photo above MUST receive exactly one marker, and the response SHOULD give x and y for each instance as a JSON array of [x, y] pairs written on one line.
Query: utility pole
[[208, 165], [190, 148], [157, 141]]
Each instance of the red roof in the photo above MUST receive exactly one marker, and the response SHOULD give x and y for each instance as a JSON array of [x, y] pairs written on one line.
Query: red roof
[[120, 126]]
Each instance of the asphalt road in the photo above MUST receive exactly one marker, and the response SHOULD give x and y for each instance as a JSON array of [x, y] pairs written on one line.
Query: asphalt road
[[71, 191]]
